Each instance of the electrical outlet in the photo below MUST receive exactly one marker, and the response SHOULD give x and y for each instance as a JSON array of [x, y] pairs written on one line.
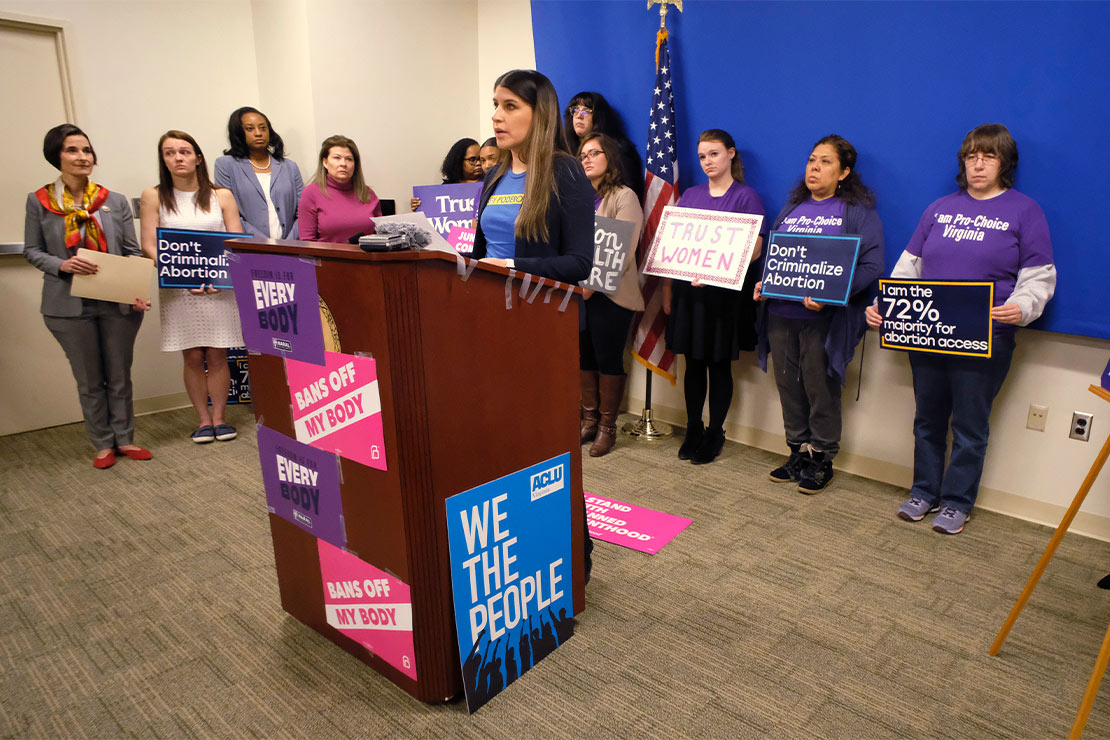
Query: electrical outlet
[[1037, 416], [1081, 426]]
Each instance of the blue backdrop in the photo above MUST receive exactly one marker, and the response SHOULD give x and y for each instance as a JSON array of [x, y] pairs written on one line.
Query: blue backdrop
[[903, 81]]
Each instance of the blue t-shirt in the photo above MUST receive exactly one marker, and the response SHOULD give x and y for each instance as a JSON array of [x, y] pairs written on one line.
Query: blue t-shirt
[[499, 216], [808, 217]]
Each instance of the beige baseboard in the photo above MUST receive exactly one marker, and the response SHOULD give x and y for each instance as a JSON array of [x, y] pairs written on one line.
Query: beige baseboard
[[168, 402], [991, 499]]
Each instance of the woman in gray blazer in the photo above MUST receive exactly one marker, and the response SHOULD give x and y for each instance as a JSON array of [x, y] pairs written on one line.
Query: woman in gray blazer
[[98, 337], [267, 186]]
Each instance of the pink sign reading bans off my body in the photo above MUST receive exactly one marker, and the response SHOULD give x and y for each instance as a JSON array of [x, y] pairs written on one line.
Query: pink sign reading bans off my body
[[628, 525], [337, 407], [369, 606]]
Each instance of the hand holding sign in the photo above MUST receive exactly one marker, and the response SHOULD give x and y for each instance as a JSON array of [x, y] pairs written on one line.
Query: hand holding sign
[[945, 317]]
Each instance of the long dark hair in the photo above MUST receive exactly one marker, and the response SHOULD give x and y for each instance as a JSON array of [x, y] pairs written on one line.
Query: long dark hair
[[238, 140], [724, 137], [605, 121], [165, 179], [452, 167], [990, 138], [613, 177], [851, 189]]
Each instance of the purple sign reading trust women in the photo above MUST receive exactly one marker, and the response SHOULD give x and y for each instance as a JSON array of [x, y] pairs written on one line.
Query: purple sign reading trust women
[[302, 485], [278, 306]]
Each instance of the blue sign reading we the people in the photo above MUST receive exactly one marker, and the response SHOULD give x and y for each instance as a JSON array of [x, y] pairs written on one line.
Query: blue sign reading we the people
[[800, 266], [192, 259], [510, 543], [948, 317]]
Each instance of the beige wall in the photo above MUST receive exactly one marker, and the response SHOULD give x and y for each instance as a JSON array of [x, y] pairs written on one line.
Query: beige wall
[[505, 41]]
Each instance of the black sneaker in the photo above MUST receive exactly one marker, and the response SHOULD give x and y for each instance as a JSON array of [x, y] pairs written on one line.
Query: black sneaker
[[695, 430], [791, 470], [816, 475], [711, 445]]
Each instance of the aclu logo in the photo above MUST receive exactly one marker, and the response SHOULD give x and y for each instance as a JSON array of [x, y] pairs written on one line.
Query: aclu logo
[[547, 481], [282, 345], [302, 519]]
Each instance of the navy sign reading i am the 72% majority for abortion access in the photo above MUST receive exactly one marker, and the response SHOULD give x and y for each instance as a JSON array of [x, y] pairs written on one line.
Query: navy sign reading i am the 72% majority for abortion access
[[949, 317]]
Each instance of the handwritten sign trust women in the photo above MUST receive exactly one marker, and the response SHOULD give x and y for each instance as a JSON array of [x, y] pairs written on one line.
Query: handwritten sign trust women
[[714, 247]]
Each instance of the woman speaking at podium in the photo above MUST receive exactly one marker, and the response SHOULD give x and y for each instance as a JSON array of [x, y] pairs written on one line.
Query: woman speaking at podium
[[1008, 244], [537, 208]]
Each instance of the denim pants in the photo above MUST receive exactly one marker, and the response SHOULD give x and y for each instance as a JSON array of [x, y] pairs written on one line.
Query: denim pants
[[961, 389]]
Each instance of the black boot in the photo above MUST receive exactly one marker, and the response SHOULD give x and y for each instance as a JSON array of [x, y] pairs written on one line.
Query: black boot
[[791, 470], [695, 430], [817, 473], [710, 447]]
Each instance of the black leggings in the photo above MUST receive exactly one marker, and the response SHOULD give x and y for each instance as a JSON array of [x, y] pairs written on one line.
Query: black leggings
[[718, 375], [601, 345]]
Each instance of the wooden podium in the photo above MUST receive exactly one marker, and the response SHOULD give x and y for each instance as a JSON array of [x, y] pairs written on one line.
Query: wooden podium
[[471, 390]]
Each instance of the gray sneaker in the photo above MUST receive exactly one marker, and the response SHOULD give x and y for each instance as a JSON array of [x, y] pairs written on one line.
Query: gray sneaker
[[950, 521], [915, 509]]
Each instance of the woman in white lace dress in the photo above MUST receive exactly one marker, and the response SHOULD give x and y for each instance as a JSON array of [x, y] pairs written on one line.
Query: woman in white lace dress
[[201, 322]]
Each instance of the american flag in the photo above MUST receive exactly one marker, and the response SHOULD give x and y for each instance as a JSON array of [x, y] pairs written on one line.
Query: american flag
[[660, 189]]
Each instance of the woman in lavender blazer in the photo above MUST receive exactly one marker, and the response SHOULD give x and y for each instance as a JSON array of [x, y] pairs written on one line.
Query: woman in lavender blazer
[[267, 186]]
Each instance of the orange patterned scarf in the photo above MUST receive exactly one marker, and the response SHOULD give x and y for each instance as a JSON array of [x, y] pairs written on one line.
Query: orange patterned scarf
[[95, 195]]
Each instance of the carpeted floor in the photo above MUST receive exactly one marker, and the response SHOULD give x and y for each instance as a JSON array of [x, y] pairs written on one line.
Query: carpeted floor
[[142, 601]]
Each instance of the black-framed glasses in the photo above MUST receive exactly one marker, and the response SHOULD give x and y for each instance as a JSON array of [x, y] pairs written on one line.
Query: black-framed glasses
[[472, 160], [587, 156]]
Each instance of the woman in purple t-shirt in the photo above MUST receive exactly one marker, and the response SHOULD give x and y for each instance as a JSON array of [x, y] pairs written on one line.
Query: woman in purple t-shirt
[[1002, 237], [707, 324], [812, 343]]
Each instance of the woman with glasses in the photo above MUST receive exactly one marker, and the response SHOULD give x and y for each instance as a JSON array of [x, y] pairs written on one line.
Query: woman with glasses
[[589, 112], [985, 231], [602, 338], [706, 324], [462, 164]]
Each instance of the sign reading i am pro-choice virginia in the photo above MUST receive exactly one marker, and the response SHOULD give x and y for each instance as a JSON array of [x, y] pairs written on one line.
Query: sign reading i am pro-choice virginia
[[302, 485], [337, 407], [369, 606], [946, 317], [191, 259], [447, 206], [799, 266], [715, 247], [278, 306], [612, 247], [511, 574]]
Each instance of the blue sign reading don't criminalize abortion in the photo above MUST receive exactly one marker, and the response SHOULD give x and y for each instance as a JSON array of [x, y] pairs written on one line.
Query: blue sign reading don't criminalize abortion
[[799, 266], [192, 259]]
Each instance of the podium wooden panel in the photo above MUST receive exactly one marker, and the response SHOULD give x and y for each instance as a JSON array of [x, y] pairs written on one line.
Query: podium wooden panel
[[471, 391]]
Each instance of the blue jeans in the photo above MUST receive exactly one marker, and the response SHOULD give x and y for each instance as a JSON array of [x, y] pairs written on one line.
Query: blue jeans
[[961, 389]]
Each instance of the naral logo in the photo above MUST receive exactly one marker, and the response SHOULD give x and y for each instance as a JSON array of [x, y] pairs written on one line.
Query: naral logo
[[282, 345], [302, 519], [547, 481]]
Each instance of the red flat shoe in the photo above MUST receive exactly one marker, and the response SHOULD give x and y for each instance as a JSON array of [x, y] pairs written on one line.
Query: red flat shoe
[[100, 463], [139, 453]]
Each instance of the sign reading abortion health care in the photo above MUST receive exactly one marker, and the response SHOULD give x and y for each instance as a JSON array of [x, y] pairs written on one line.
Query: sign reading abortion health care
[[462, 239], [947, 317], [447, 206], [612, 246], [511, 574], [278, 306], [715, 247], [369, 606], [628, 525], [302, 485], [337, 407], [797, 266], [191, 259]]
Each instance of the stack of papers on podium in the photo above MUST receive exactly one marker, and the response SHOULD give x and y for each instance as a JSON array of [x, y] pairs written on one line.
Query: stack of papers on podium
[[382, 242]]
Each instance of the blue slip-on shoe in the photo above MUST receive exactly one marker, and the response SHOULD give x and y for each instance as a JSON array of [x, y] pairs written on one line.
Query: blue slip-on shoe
[[225, 432], [915, 509], [950, 521], [203, 435]]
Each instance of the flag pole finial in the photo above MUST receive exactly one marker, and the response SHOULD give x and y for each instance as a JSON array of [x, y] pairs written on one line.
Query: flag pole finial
[[663, 7]]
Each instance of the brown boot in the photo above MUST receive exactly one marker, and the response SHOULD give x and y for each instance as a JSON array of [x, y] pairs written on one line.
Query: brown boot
[[589, 405], [612, 392]]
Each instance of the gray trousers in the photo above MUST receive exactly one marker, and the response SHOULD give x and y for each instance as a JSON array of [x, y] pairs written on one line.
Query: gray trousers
[[810, 397], [100, 344]]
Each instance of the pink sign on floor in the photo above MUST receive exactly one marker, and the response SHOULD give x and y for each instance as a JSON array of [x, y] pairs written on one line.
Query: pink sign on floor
[[369, 606], [628, 525], [337, 407]]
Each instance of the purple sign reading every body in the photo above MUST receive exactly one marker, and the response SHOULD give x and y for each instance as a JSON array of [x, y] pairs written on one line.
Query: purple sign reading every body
[[302, 485], [278, 306], [449, 205]]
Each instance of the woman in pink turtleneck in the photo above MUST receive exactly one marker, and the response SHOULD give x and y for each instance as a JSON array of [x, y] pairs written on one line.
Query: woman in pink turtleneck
[[337, 204]]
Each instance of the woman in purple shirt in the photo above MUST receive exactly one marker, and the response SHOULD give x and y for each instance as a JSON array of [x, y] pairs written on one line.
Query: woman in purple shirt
[[707, 324], [812, 343], [337, 205], [1003, 238]]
